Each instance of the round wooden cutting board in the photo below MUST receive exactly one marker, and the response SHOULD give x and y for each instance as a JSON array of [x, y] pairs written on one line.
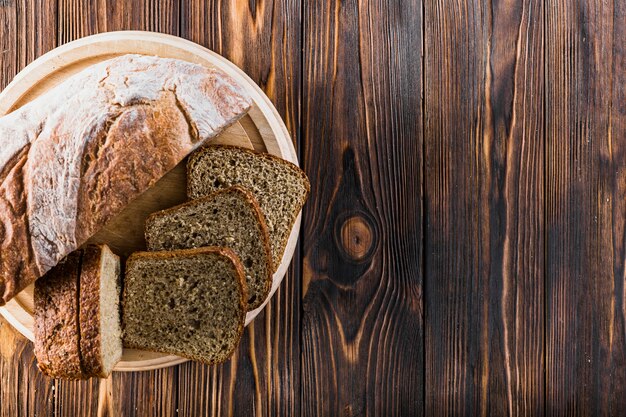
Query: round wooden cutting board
[[262, 129]]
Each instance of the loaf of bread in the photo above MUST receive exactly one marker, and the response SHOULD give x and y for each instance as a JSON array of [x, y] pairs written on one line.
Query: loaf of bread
[[280, 187], [77, 315], [190, 303], [73, 158], [228, 218]]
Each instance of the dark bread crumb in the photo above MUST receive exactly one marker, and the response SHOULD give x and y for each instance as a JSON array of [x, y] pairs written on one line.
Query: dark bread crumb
[[228, 218], [190, 303], [280, 187]]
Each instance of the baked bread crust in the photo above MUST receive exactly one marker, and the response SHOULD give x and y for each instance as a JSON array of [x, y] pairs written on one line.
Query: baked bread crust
[[258, 214], [75, 157], [57, 341]]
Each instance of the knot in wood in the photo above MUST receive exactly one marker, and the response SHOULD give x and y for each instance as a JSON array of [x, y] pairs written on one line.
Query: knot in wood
[[356, 237]]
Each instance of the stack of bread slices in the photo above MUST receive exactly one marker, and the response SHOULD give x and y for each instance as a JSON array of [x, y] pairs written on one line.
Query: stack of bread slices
[[208, 262]]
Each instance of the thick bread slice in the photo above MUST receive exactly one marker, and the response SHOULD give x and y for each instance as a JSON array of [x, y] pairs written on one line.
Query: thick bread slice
[[57, 339], [100, 329], [190, 303], [280, 187], [73, 158], [228, 218]]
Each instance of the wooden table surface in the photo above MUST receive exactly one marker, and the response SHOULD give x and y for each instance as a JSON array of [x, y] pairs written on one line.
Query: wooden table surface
[[463, 251]]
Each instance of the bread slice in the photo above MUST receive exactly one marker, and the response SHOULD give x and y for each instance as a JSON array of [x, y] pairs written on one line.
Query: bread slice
[[228, 218], [190, 303], [100, 328], [77, 321], [280, 187], [57, 337]]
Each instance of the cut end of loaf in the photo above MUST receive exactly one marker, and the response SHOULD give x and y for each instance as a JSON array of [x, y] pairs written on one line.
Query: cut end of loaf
[[100, 328], [111, 330]]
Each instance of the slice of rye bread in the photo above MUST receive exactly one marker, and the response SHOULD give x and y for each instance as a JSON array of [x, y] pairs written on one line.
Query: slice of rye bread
[[100, 328], [280, 187], [57, 338], [189, 302], [77, 322], [228, 218]]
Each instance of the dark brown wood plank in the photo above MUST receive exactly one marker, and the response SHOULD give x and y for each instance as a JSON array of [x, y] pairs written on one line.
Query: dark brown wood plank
[[24, 391], [36, 26], [262, 38], [150, 393], [76, 398], [128, 394], [78, 18], [484, 202], [362, 340], [27, 30], [585, 189], [514, 122], [616, 172], [8, 41]]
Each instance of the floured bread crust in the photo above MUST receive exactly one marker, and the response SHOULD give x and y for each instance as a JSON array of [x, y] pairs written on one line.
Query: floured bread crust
[[75, 157]]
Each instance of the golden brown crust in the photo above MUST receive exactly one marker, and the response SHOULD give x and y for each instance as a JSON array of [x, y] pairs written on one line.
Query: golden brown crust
[[258, 214], [106, 186], [193, 158], [241, 282], [73, 158], [57, 339], [17, 261]]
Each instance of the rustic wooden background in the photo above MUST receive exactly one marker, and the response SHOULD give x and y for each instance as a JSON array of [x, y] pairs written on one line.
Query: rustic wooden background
[[463, 252]]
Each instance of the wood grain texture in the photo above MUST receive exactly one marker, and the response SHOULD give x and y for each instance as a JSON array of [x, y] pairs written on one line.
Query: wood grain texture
[[28, 29], [585, 207], [150, 393], [362, 313], [66, 393], [24, 391], [78, 18], [484, 223], [262, 38]]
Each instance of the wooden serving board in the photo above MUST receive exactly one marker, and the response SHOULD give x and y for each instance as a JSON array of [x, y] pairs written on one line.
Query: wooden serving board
[[262, 129]]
